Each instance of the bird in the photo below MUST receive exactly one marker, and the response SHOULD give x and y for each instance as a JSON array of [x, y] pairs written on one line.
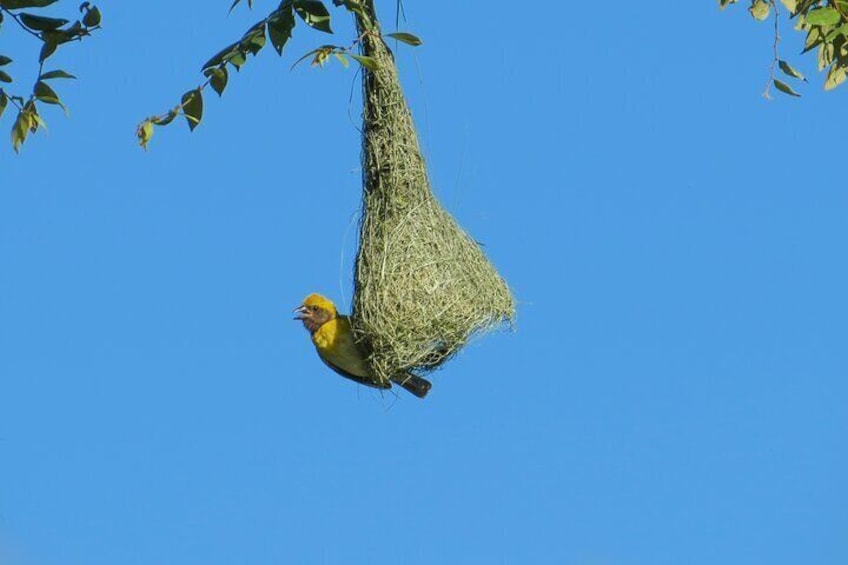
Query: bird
[[336, 346]]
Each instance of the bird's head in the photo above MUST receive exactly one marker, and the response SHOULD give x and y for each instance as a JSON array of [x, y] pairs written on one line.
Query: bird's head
[[315, 311]]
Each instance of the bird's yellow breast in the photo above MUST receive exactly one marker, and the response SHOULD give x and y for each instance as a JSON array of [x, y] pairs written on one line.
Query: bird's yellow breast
[[328, 334], [337, 347]]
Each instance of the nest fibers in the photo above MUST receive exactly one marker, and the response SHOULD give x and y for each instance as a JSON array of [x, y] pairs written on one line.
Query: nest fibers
[[423, 286]]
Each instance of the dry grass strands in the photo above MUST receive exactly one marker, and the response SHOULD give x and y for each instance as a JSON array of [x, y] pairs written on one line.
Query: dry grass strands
[[423, 286]]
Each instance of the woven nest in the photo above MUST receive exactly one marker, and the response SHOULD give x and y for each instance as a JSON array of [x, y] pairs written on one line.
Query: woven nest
[[423, 287]]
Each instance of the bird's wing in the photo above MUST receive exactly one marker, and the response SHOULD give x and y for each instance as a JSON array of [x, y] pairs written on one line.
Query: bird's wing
[[367, 381], [340, 352]]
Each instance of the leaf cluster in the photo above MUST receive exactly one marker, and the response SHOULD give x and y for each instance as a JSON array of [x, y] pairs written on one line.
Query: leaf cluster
[[825, 23], [51, 33], [276, 28]]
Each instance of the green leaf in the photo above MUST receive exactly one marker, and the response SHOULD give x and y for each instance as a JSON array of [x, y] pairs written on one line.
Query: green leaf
[[59, 73], [236, 59], [4, 60], [342, 59], [814, 38], [835, 77], [790, 70], [232, 54], [40, 23], [825, 56], [75, 31], [722, 4], [760, 10], [254, 40], [314, 13], [4, 77], [20, 130], [47, 49], [237, 2], [92, 18], [3, 101], [313, 52], [368, 62], [218, 78], [791, 5], [837, 31], [407, 38], [144, 133], [192, 104], [823, 17], [18, 4], [167, 119], [60, 36], [35, 120], [785, 88], [43, 92], [322, 55], [280, 28], [218, 58]]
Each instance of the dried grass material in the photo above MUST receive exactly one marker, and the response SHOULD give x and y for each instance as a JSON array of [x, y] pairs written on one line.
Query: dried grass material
[[423, 287]]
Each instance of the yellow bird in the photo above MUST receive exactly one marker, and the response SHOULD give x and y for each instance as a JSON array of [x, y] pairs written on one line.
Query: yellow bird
[[337, 348]]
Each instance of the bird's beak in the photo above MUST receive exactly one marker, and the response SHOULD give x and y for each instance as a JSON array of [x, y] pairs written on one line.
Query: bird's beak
[[301, 312]]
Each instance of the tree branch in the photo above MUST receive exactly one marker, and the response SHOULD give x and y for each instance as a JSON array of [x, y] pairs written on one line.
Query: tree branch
[[20, 23], [776, 58]]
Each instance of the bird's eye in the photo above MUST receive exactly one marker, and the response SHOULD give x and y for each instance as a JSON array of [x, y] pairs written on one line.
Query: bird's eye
[[314, 308]]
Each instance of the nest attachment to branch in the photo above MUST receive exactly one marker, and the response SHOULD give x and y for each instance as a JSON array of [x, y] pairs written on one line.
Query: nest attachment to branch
[[423, 287]]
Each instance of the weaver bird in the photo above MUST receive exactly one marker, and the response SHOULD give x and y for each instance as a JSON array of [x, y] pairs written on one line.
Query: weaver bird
[[337, 348]]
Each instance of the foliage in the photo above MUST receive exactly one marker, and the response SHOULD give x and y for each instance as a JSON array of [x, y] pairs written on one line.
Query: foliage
[[825, 23], [276, 28], [52, 33]]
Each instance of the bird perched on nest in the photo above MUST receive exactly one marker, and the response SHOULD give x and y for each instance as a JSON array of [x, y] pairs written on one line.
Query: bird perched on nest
[[337, 348]]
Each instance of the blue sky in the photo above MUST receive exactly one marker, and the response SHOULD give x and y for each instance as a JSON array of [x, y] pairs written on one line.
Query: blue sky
[[674, 393]]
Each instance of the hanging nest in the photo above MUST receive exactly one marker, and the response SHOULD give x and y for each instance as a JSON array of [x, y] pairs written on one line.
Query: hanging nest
[[423, 286]]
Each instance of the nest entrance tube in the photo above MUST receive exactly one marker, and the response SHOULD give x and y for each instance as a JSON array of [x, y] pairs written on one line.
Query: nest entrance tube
[[423, 287]]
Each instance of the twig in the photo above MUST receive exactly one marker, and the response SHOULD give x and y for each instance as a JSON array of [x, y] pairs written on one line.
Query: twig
[[776, 59], [20, 23], [13, 100], [83, 32]]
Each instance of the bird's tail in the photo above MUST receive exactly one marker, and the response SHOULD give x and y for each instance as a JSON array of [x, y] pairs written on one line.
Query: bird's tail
[[413, 383]]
